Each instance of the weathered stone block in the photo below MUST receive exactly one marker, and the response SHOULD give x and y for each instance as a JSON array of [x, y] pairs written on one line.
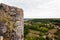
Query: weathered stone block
[[11, 22]]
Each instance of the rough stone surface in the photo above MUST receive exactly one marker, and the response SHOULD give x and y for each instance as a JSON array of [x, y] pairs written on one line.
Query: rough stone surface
[[11, 18]]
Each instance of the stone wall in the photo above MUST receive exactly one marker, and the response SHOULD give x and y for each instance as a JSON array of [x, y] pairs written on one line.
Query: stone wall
[[11, 22]]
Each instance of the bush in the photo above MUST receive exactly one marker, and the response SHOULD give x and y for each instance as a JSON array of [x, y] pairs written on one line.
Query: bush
[[58, 32], [35, 38], [26, 30], [34, 27], [43, 29]]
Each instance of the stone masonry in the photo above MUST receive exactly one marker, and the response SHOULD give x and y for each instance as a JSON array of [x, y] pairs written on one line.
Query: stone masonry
[[11, 22]]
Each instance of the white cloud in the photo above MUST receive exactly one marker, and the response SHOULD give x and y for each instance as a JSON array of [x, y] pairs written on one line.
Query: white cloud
[[37, 8]]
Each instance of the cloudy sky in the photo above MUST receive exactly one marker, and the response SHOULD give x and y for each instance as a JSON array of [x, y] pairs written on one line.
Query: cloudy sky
[[37, 8]]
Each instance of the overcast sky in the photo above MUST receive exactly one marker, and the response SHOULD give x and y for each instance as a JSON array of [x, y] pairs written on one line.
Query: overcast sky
[[37, 8]]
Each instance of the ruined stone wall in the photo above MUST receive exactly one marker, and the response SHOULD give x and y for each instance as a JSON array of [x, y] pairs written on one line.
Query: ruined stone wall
[[11, 22]]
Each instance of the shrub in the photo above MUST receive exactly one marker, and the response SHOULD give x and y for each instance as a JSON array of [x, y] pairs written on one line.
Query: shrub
[[26, 30], [43, 29]]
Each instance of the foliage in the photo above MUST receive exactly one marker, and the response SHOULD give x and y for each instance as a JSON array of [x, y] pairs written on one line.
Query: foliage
[[43, 29], [26, 30], [58, 32], [35, 38], [39, 25]]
